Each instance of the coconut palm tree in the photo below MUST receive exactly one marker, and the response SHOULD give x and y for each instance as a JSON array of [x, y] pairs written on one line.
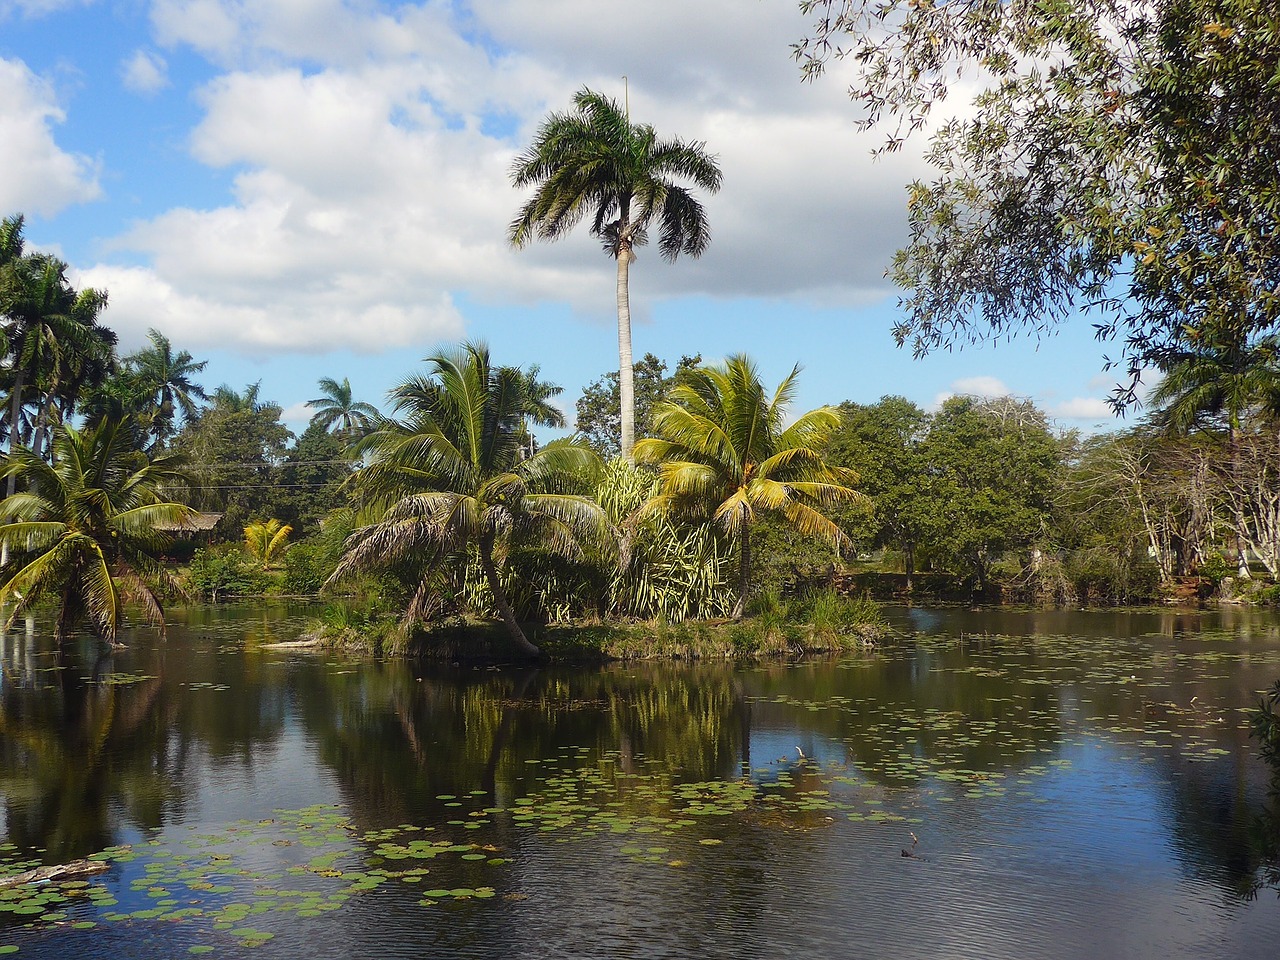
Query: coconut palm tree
[[725, 453], [266, 541], [449, 476], [542, 412], [52, 331], [1223, 377], [162, 382], [338, 409], [11, 249], [595, 160], [86, 528]]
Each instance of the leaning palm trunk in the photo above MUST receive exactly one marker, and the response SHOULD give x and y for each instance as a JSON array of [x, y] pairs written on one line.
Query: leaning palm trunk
[[500, 599], [626, 372]]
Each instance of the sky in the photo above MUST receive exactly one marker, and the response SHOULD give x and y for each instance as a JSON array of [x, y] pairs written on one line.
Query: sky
[[297, 189]]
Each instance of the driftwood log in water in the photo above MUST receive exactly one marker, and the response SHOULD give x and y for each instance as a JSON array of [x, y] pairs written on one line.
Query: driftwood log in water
[[62, 871]]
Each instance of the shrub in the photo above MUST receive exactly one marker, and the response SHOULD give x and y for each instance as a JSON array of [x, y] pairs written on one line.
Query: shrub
[[305, 569], [224, 573]]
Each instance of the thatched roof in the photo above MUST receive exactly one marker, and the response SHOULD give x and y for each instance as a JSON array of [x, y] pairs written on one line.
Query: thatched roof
[[198, 523]]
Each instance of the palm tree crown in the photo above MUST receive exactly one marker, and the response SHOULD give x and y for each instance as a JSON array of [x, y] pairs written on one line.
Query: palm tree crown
[[163, 381], [339, 409], [87, 526], [54, 337], [1219, 377], [596, 160], [450, 475], [724, 452]]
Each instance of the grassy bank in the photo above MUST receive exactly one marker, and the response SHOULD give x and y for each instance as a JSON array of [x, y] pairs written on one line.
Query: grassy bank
[[818, 623]]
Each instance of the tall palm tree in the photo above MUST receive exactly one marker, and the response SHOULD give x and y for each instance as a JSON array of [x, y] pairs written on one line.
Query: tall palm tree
[[594, 159], [339, 409], [449, 476], [164, 383], [11, 249], [542, 412], [1225, 377], [725, 453], [85, 531], [51, 329]]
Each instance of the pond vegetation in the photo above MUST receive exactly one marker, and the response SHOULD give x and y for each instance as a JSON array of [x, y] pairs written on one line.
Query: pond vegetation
[[248, 797]]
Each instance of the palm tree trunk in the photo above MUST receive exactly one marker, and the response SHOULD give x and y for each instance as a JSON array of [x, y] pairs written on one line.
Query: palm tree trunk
[[744, 572], [43, 427], [626, 370], [11, 485], [15, 414], [500, 600]]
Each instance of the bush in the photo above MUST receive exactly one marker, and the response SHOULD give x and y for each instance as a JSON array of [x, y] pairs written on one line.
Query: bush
[[305, 569], [224, 573]]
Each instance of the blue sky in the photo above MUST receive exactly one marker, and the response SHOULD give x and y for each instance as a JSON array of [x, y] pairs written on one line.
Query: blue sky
[[294, 189]]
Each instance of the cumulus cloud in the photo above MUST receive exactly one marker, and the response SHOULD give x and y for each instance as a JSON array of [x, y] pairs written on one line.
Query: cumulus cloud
[[983, 386], [37, 8], [145, 73], [39, 177], [1094, 409], [314, 317], [371, 147]]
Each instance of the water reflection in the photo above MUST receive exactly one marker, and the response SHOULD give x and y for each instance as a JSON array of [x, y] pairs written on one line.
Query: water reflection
[[1104, 756]]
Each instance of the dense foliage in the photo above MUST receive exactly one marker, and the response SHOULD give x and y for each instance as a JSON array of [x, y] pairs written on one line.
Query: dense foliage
[[1118, 156], [451, 507]]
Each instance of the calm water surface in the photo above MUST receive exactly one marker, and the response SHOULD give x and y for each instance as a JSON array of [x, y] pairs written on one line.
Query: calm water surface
[[1065, 784]]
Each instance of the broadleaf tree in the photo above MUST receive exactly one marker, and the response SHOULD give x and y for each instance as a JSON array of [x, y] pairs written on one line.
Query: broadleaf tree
[[1118, 159]]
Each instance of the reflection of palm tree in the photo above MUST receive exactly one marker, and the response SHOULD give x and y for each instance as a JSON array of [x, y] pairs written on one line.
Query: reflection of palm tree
[[724, 452], [87, 527], [77, 765], [449, 476], [595, 159]]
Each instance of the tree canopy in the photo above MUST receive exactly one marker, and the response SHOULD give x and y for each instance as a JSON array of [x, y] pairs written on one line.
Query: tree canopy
[[86, 528], [725, 452], [1118, 159]]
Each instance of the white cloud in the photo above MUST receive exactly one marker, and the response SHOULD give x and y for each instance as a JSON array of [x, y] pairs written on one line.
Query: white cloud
[[313, 318], [39, 177], [37, 8], [1083, 408], [145, 73], [370, 151], [298, 414]]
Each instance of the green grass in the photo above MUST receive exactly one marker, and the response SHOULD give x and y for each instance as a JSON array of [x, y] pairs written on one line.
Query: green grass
[[814, 623]]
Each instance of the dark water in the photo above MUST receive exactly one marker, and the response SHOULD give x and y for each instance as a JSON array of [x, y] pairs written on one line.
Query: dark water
[[1067, 784]]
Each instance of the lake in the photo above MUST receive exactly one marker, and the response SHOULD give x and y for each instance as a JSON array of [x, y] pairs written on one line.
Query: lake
[[988, 784]]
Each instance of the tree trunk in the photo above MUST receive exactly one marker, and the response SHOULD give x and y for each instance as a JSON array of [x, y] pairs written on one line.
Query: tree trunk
[[500, 600], [1242, 564], [15, 414], [69, 614], [44, 426], [744, 572], [909, 551], [626, 369]]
